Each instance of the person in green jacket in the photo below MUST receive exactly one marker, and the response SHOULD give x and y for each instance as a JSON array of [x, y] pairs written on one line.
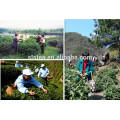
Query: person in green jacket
[[85, 67]]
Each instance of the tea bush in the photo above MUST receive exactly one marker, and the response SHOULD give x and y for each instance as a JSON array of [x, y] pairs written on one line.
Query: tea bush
[[6, 38], [52, 94], [112, 93], [105, 79], [114, 66], [55, 87], [9, 74], [5, 47], [75, 90], [29, 47]]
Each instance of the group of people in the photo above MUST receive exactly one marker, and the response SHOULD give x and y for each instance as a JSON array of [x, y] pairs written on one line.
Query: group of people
[[16, 40], [94, 59], [105, 59], [23, 81], [41, 41]]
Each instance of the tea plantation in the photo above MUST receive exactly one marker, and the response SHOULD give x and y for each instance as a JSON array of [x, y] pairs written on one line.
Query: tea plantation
[[106, 80], [30, 47], [9, 73]]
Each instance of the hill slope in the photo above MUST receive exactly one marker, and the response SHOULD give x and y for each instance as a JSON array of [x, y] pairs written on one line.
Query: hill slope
[[76, 44]]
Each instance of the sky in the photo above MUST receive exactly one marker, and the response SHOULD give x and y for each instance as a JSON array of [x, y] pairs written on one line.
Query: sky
[[43, 24], [82, 26]]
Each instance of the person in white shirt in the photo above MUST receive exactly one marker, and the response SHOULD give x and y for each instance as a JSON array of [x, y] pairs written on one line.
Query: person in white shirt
[[42, 42], [70, 62], [24, 81], [18, 36], [25, 36], [36, 70], [43, 73], [17, 64]]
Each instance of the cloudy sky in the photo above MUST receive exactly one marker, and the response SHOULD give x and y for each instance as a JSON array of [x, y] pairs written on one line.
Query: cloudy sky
[[44, 24]]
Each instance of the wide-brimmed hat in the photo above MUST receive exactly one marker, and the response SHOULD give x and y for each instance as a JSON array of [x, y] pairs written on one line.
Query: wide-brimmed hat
[[42, 65], [27, 72]]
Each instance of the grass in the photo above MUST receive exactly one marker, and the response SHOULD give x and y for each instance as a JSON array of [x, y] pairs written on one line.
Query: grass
[[49, 51]]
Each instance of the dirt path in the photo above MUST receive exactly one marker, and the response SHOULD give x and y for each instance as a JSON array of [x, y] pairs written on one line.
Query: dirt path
[[99, 95], [106, 66]]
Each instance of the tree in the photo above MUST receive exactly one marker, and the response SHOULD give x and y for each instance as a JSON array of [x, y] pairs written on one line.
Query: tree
[[107, 32]]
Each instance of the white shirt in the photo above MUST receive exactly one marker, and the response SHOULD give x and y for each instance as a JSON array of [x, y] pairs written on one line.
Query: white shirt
[[20, 82], [18, 37], [25, 37], [43, 72], [43, 40]]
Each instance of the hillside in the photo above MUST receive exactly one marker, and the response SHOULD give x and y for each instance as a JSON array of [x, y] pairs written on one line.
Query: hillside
[[76, 44]]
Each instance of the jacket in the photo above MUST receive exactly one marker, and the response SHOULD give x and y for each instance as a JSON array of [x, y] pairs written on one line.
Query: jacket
[[15, 41], [88, 69]]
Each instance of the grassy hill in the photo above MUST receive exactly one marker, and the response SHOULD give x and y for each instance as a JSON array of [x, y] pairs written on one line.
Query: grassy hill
[[76, 44]]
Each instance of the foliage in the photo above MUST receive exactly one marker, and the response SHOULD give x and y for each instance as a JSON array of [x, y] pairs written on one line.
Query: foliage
[[75, 90], [112, 93], [113, 55], [55, 87], [114, 66], [44, 31], [29, 47], [56, 42], [8, 74], [106, 78], [76, 44], [5, 45], [107, 32], [98, 64]]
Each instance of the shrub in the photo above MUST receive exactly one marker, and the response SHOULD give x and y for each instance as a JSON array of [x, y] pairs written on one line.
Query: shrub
[[5, 47], [6, 38], [75, 90], [9, 74], [97, 63], [106, 78], [114, 66], [112, 93], [29, 47]]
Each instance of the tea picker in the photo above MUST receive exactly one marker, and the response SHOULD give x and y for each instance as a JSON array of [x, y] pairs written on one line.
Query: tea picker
[[43, 73], [36, 70], [23, 82], [17, 64], [27, 67]]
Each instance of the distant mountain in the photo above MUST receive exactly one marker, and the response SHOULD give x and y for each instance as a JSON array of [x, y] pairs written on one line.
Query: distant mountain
[[2, 30], [76, 44]]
